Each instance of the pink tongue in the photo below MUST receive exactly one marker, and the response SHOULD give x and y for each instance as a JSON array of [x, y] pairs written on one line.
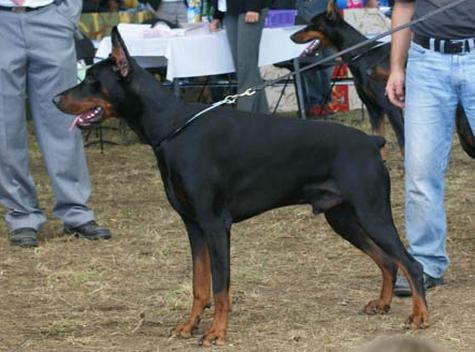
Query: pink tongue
[[75, 122]]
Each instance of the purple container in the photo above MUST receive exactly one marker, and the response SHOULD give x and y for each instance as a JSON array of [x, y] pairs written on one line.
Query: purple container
[[280, 18]]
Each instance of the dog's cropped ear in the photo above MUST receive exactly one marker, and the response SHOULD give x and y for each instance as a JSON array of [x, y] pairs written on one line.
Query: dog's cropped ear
[[120, 55], [331, 10]]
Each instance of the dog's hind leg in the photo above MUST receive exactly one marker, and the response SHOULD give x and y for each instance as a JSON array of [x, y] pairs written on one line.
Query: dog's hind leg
[[385, 235], [201, 279], [373, 211], [343, 220], [370, 201], [397, 122]]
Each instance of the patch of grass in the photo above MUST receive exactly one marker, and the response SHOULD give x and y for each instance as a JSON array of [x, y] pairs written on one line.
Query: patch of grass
[[74, 277], [296, 285]]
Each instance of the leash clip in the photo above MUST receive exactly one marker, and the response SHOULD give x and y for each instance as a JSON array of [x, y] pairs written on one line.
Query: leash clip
[[231, 99], [248, 93]]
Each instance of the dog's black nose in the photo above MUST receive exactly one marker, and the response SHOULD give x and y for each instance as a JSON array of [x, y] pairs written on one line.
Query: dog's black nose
[[57, 100]]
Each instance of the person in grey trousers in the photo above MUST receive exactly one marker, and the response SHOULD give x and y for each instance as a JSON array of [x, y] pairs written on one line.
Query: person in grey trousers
[[38, 60], [244, 21]]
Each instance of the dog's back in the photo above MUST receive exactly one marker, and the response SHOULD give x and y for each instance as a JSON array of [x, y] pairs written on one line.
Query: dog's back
[[254, 155]]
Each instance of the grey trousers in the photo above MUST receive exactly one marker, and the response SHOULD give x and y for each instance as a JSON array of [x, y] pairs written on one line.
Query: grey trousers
[[38, 58], [174, 12], [244, 39]]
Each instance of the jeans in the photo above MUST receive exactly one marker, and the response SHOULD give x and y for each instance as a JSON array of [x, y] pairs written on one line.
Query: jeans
[[435, 84], [317, 84]]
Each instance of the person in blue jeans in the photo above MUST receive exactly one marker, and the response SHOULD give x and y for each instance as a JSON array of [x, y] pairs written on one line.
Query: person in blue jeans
[[439, 77]]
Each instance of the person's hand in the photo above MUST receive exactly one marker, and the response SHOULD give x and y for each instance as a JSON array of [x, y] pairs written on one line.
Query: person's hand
[[214, 25], [251, 17], [395, 88]]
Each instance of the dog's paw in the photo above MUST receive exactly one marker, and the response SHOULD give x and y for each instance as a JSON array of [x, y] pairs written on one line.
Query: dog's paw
[[418, 321], [213, 336], [377, 307], [183, 330]]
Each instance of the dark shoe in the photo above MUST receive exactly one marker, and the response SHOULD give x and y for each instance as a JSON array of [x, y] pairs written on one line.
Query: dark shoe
[[402, 288], [89, 231], [25, 237]]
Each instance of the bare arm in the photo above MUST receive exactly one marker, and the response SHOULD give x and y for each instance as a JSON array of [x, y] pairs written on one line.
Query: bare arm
[[402, 14]]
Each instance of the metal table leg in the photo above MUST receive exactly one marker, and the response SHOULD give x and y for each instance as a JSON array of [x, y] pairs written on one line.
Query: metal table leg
[[299, 89]]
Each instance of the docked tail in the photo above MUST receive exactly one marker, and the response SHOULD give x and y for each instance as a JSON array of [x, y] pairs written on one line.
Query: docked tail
[[379, 141]]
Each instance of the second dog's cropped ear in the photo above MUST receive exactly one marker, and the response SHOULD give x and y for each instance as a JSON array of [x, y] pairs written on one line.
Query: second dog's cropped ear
[[120, 55], [331, 10]]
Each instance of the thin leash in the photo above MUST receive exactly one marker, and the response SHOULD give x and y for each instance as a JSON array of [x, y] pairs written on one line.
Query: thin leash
[[231, 99]]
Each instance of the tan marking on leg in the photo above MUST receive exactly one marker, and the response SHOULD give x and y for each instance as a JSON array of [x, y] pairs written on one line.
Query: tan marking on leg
[[383, 304], [419, 319], [201, 293], [217, 331]]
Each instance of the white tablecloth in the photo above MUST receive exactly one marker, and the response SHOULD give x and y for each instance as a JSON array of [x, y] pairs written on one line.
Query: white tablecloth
[[201, 53]]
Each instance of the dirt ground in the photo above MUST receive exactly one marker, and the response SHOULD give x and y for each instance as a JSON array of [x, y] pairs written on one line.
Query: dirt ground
[[296, 285]]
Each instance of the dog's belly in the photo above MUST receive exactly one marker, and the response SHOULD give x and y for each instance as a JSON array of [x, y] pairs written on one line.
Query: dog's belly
[[321, 195]]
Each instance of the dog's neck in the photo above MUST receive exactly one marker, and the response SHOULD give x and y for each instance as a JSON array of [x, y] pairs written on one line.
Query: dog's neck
[[151, 111], [343, 36]]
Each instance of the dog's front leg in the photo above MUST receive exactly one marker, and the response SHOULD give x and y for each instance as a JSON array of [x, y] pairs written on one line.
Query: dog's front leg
[[219, 248], [201, 279]]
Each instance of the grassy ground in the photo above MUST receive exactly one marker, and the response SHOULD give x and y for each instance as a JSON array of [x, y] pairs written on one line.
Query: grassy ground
[[297, 286]]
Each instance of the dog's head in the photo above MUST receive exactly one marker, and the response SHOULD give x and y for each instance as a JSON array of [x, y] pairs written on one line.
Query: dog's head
[[322, 27], [103, 90]]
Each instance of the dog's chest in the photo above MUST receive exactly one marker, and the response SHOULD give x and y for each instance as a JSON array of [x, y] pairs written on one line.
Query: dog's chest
[[174, 184]]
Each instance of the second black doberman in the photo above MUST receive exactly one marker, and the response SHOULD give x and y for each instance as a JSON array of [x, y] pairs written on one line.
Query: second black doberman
[[368, 65], [228, 166]]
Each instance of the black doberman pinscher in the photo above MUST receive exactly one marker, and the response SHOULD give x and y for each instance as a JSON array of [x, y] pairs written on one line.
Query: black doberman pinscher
[[228, 166], [370, 67]]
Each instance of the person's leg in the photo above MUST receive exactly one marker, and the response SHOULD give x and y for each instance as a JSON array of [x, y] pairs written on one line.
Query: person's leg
[[311, 80], [248, 73], [325, 79], [17, 190], [172, 11], [317, 87], [431, 100], [467, 94], [52, 69], [231, 26]]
